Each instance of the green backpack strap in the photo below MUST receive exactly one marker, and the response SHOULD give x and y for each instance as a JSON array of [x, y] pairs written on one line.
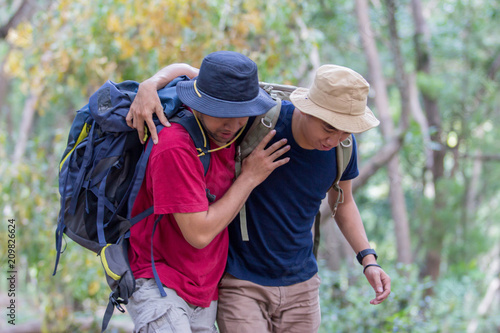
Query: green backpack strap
[[344, 152], [261, 126], [343, 158]]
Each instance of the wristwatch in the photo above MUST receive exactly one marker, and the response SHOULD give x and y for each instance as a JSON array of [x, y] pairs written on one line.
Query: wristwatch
[[364, 253]]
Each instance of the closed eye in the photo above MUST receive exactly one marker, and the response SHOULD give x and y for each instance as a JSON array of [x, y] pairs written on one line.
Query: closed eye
[[329, 129]]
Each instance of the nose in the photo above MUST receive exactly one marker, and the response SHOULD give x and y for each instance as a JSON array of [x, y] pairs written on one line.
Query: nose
[[334, 139]]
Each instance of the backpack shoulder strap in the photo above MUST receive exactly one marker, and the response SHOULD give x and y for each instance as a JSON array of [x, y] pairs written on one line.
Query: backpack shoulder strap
[[281, 91], [265, 123], [260, 127], [344, 153], [188, 121]]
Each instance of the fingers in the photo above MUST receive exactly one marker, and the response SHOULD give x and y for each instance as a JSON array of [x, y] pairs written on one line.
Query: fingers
[[261, 162], [263, 143], [381, 283], [129, 119], [139, 126], [161, 116], [152, 130], [283, 161], [275, 150], [275, 146], [386, 287], [275, 153], [140, 115]]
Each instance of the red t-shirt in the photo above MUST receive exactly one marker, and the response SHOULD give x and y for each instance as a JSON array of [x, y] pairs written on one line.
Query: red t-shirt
[[175, 183]]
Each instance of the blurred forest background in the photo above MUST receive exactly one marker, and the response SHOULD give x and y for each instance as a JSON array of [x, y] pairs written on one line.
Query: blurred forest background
[[428, 189]]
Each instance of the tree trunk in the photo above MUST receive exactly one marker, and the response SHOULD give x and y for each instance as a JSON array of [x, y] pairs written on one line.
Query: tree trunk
[[436, 233], [398, 204], [24, 11], [4, 112], [491, 300], [25, 127], [383, 156]]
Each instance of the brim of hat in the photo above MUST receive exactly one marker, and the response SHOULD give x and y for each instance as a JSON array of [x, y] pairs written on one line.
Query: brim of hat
[[341, 121], [220, 108]]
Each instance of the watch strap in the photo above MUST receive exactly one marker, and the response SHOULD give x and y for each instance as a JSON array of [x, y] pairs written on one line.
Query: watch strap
[[364, 253]]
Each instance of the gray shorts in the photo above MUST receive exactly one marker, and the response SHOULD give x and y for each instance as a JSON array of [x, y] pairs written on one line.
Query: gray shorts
[[153, 313]]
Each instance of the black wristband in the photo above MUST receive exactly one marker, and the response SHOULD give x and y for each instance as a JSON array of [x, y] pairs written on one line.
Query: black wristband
[[369, 265], [364, 253]]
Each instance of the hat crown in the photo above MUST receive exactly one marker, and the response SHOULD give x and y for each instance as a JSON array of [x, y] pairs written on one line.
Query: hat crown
[[340, 89], [227, 86], [229, 76], [337, 96]]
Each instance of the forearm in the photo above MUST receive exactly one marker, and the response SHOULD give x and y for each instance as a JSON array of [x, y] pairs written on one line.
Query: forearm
[[201, 228], [168, 73], [222, 212], [349, 221]]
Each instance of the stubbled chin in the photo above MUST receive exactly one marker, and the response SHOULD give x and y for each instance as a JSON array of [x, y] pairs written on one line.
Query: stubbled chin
[[222, 140]]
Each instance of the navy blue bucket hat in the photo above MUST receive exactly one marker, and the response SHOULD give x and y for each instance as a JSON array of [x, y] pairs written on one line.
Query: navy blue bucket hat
[[226, 87]]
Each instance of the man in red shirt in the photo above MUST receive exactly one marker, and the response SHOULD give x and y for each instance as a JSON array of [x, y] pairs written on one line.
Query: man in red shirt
[[190, 242]]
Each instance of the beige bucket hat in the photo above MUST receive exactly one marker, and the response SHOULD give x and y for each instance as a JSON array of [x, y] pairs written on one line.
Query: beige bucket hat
[[337, 96]]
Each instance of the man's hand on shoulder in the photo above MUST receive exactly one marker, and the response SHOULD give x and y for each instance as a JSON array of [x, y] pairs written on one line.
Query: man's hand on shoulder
[[145, 104], [261, 162]]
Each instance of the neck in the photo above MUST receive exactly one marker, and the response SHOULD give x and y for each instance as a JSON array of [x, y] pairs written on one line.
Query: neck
[[298, 129]]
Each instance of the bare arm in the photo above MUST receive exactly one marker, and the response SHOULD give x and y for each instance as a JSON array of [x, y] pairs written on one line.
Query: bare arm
[[199, 229], [349, 221], [147, 102]]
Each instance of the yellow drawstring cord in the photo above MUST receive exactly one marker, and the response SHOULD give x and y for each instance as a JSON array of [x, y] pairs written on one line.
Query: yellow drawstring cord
[[205, 139], [196, 90]]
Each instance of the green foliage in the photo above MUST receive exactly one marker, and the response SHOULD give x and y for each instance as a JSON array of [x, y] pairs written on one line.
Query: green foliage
[[345, 307], [430, 86], [28, 194], [65, 52]]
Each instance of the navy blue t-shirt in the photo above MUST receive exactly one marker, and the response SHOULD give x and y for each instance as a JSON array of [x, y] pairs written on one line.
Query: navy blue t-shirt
[[281, 212]]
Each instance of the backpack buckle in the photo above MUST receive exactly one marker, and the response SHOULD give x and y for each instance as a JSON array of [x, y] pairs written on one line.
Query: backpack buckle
[[268, 125], [116, 302], [347, 142], [340, 199]]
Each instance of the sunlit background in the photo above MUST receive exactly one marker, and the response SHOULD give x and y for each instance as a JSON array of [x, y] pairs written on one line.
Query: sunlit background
[[428, 189]]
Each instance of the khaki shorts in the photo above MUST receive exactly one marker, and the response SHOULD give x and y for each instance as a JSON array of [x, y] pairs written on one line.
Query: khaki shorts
[[246, 307], [153, 313]]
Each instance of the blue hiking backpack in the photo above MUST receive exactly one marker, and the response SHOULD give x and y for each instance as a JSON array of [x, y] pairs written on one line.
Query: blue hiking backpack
[[100, 174]]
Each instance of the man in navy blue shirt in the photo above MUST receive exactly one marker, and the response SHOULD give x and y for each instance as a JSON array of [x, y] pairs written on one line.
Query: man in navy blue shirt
[[271, 282]]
